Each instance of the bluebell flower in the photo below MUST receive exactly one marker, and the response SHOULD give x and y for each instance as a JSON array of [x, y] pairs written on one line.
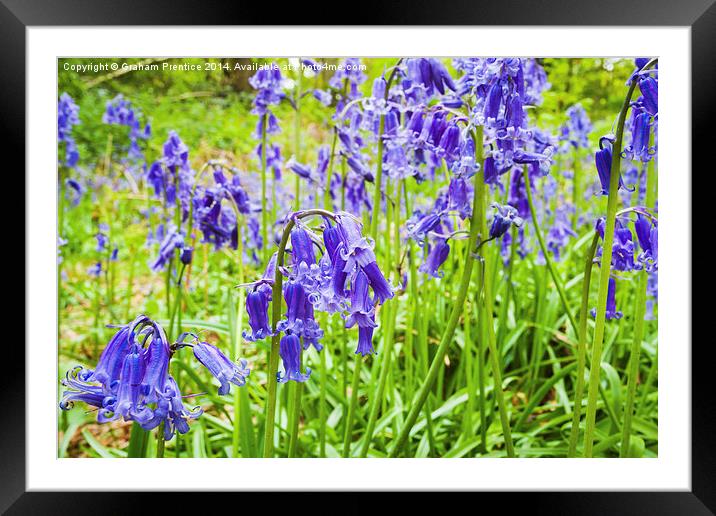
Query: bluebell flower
[[273, 158], [223, 369], [173, 239], [67, 117], [268, 82], [439, 251], [576, 130], [603, 160], [561, 231], [290, 353], [102, 241], [622, 247], [119, 111], [74, 191], [362, 313], [611, 311], [95, 270], [648, 236], [186, 255], [79, 390], [505, 217], [299, 169], [460, 198], [358, 252], [431, 74], [650, 94], [257, 309], [640, 128], [420, 225], [324, 97]]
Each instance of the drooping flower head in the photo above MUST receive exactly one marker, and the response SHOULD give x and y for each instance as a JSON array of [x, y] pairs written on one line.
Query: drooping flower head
[[67, 118], [290, 353], [611, 310], [119, 111], [576, 131], [505, 217], [603, 161], [268, 83], [132, 380]]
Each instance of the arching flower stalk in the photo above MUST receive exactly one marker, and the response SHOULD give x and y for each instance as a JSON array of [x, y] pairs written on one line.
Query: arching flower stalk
[[338, 282], [605, 270], [269, 85]]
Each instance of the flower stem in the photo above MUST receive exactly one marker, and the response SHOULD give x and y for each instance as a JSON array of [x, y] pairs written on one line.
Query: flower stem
[[322, 406], [576, 187], [277, 296], [160, 441], [582, 347], [355, 383], [297, 136], [295, 418], [605, 271], [137, 447], [457, 308], [545, 252], [264, 213], [635, 352], [481, 206], [379, 162]]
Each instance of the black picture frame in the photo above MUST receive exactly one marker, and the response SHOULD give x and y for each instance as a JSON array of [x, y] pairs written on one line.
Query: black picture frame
[[699, 15]]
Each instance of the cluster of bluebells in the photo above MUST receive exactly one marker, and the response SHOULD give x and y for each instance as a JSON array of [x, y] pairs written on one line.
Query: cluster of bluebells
[[119, 111], [497, 92], [68, 115], [503, 88], [104, 249], [346, 81], [630, 255], [644, 115], [575, 132], [268, 83], [132, 380], [172, 179], [216, 209], [346, 279]]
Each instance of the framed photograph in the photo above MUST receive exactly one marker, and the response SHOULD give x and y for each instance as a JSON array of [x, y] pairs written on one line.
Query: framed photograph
[[359, 258]]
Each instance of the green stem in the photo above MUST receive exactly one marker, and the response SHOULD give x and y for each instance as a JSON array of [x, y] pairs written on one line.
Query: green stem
[[457, 308], [137, 442], [379, 165], [378, 394], [481, 387], [240, 396], [577, 188], [605, 271], [295, 418], [378, 181], [160, 441], [348, 430], [639, 313], [635, 353], [264, 213], [322, 405], [297, 135], [545, 252], [582, 347], [481, 206]]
